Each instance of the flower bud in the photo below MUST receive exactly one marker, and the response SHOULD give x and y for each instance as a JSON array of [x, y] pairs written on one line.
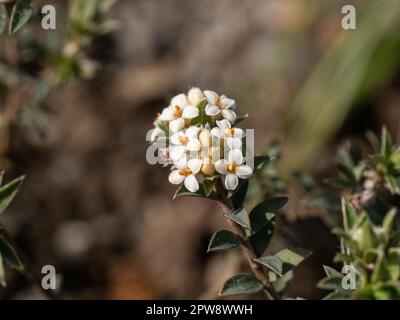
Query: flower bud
[[205, 138], [208, 169], [195, 95]]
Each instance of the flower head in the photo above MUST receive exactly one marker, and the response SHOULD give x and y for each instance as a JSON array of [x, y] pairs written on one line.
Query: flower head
[[193, 134]]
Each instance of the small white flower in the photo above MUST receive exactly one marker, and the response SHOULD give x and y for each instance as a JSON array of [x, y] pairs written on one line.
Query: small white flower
[[233, 169], [232, 136], [177, 112], [185, 172], [183, 141], [219, 104]]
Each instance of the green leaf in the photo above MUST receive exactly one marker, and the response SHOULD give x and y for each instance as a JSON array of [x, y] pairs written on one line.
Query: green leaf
[[386, 144], [8, 253], [260, 240], [240, 216], [2, 272], [337, 296], [8, 192], [3, 20], [281, 284], [21, 13], [330, 272], [332, 283], [223, 240], [258, 217], [241, 284], [388, 221], [201, 193], [274, 263], [260, 162], [240, 195], [292, 257], [208, 186], [349, 215]]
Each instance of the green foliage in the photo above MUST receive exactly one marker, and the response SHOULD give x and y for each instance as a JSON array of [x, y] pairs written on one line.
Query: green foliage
[[8, 254], [241, 284], [223, 240], [373, 251]]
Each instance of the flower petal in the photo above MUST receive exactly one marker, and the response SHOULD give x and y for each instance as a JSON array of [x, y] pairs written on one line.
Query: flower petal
[[176, 152], [194, 165], [176, 125], [175, 138], [191, 183], [181, 163], [192, 132], [229, 115], [231, 182], [179, 100], [175, 178], [211, 96], [234, 143], [216, 132], [167, 114], [235, 156], [221, 166], [155, 133], [224, 124], [193, 145], [212, 110], [244, 171], [230, 103], [190, 112], [238, 133]]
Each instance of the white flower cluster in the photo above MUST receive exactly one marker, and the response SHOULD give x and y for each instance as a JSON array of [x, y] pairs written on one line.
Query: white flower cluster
[[196, 135]]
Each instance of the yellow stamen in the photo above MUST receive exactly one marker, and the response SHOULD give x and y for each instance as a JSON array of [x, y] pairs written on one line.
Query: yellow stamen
[[185, 172], [230, 132], [178, 112], [217, 102], [232, 168], [183, 140]]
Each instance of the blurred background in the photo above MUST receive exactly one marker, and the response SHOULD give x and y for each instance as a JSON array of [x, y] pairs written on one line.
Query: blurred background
[[95, 209]]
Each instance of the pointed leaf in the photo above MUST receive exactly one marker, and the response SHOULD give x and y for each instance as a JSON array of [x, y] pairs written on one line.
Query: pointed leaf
[[281, 284], [273, 263], [240, 216], [258, 216], [8, 252], [260, 240], [241, 284], [223, 240], [386, 144], [292, 257], [349, 215], [8, 192], [330, 272], [388, 221], [260, 162], [201, 193], [240, 195], [21, 13], [332, 283]]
